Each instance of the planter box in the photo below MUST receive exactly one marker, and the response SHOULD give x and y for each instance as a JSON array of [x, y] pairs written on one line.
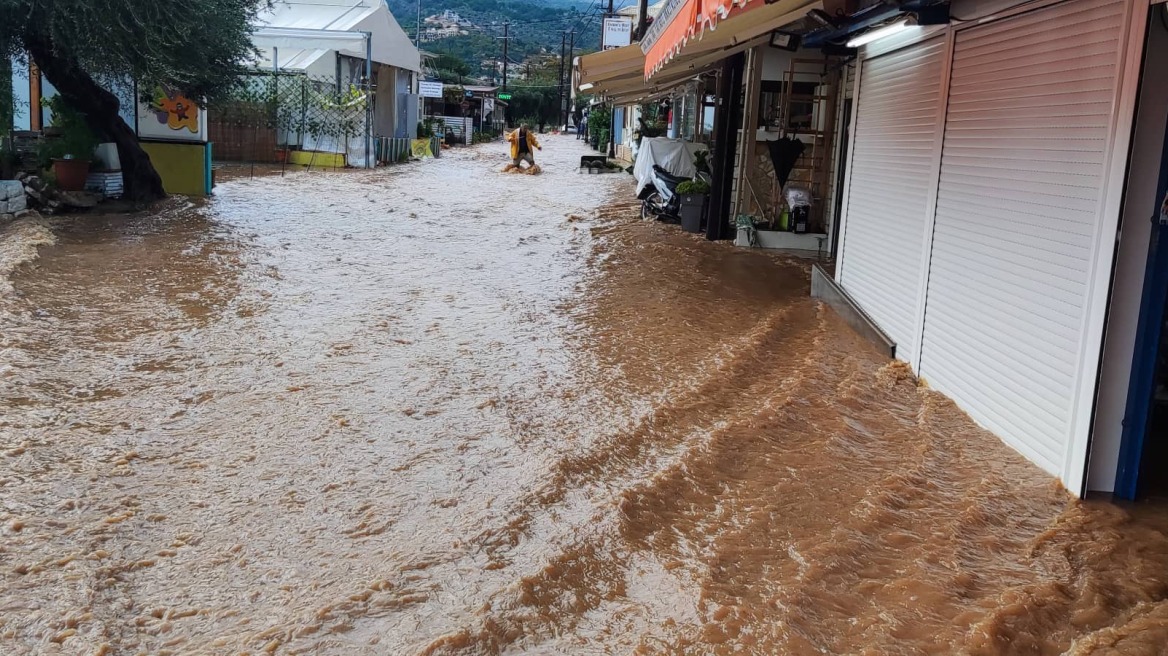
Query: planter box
[[693, 210], [316, 159], [782, 240]]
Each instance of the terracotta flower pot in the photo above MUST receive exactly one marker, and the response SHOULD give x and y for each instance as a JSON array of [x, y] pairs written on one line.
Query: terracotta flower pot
[[71, 173]]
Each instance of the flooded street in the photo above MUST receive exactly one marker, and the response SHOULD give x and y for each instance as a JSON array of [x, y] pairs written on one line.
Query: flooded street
[[438, 409]]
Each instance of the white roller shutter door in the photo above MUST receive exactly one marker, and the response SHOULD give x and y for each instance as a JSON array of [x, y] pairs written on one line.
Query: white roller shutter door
[[893, 152], [1018, 214]]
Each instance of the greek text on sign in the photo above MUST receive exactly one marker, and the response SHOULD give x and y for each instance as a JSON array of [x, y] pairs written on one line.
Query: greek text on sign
[[668, 13], [618, 32], [430, 89]]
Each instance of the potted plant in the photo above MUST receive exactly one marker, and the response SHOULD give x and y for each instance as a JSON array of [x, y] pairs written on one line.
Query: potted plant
[[702, 161], [693, 203], [70, 153]]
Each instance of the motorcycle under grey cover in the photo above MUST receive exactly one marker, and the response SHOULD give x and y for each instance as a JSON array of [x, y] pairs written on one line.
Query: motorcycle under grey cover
[[673, 155]]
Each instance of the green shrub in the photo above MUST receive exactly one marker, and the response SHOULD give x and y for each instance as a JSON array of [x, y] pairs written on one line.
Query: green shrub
[[76, 139], [484, 136], [697, 186]]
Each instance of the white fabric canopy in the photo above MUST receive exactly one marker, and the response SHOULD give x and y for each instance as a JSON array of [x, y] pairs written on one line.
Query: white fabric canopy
[[306, 39], [305, 31], [673, 155]]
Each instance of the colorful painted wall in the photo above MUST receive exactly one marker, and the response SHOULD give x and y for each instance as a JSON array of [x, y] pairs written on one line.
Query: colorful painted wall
[[173, 130], [185, 167]]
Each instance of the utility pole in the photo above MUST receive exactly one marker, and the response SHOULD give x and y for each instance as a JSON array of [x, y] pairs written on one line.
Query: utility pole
[[563, 42], [642, 18], [418, 34], [506, 28]]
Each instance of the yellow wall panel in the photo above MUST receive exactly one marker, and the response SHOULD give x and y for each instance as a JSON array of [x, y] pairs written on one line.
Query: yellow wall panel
[[183, 166]]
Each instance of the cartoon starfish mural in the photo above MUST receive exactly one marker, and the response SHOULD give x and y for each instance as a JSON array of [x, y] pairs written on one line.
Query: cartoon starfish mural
[[176, 110]]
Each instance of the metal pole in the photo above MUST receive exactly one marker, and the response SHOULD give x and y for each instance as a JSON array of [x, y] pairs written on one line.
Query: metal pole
[[369, 163], [275, 99], [642, 18], [612, 105], [610, 14], [418, 33], [571, 72], [612, 130], [563, 42]]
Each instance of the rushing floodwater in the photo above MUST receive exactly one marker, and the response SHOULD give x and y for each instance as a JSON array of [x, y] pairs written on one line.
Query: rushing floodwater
[[437, 409]]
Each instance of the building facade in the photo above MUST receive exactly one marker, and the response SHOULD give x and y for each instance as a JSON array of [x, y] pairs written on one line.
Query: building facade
[[994, 198]]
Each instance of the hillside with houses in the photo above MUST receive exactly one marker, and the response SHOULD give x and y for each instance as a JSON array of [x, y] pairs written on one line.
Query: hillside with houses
[[472, 29]]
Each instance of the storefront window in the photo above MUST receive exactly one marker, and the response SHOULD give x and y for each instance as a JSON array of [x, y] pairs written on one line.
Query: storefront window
[[708, 106], [686, 109]]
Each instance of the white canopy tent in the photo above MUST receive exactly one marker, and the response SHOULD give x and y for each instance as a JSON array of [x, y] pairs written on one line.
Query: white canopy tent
[[293, 37], [305, 32], [357, 41]]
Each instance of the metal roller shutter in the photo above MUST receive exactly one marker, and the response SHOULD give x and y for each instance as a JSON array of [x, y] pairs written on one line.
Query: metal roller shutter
[[1018, 210], [888, 191]]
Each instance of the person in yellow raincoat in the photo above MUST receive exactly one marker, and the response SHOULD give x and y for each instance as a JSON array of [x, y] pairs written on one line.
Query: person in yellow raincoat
[[522, 144]]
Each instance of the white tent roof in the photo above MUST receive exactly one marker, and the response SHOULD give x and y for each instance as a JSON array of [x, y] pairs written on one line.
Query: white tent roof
[[653, 11], [286, 25]]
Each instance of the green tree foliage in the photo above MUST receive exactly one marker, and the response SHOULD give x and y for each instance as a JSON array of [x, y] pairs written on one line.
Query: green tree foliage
[[197, 48], [536, 99], [6, 96], [599, 122], [450, 69]]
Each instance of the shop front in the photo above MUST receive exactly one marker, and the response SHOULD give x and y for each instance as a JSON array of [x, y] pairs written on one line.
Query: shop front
[[699, 71], [973, 167], [981, 211]]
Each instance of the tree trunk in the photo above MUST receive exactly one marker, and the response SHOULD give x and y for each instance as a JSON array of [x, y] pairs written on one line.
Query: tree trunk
[[141, 182]]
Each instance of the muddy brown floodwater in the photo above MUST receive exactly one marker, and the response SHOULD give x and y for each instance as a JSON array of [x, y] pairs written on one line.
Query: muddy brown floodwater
[[435, 409]]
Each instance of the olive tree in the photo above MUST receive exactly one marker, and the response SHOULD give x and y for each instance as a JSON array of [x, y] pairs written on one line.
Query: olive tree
[[197, 47]]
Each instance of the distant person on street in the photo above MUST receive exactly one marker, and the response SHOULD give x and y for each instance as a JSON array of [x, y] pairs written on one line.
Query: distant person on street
[[582, 127], [523, 143]]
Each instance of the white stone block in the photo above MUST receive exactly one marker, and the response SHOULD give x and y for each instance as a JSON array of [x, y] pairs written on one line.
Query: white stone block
[[17, 203], [11, 189]]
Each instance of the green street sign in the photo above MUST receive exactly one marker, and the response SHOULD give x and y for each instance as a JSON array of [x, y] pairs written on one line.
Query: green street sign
[[504, 96]]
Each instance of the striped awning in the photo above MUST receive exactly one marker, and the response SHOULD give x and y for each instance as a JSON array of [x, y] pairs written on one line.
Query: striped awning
[[669, 33], [685, 27]]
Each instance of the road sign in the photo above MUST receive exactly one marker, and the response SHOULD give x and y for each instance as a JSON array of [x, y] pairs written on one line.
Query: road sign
[[430, 89], [504, 96]]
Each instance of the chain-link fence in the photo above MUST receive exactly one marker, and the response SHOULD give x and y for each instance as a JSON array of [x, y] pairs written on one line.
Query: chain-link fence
[[279, 117]]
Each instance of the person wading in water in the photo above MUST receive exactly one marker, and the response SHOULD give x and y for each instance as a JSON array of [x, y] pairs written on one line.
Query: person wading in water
[[522, 143]]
